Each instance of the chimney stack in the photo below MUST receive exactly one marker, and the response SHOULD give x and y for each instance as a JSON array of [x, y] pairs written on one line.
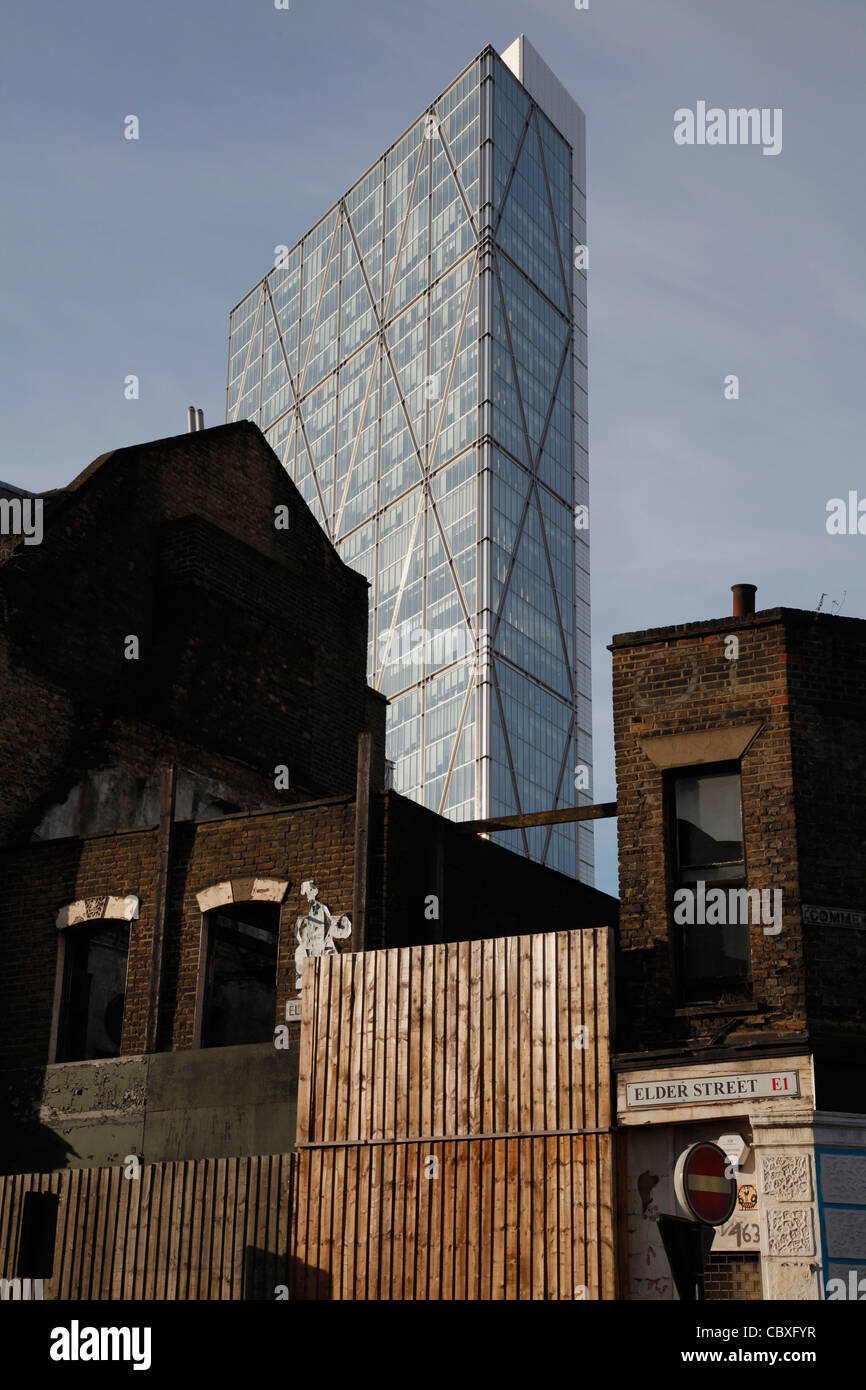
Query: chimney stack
[[744, 599], [194, 419]]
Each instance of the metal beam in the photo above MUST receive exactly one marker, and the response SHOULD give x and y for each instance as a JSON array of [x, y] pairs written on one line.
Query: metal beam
[[568, 813]]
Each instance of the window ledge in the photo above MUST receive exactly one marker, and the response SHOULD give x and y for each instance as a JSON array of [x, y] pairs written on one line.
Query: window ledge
[[702, 1010]]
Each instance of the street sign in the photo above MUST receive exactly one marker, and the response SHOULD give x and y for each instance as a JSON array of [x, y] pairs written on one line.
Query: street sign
[[704, 1191]]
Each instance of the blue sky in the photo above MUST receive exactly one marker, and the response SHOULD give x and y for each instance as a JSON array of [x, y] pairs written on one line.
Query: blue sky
[[125, 256]]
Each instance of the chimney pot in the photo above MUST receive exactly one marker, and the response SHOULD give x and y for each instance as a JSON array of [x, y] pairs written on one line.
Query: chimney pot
[[190, 419], [744, 599]]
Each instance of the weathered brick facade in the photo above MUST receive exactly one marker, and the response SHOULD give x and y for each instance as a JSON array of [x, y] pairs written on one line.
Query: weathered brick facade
[[252, 639], [481, 890], [794, 696]]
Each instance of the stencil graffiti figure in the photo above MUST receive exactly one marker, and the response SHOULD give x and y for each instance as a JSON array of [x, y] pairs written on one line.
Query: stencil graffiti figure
[[316, 931]]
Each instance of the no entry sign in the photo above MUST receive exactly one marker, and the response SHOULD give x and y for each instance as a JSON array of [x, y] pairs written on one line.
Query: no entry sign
[[702, 1188]]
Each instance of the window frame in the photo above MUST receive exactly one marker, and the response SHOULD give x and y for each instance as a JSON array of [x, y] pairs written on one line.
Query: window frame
[[203, 969], [710, 990], [114, 908]]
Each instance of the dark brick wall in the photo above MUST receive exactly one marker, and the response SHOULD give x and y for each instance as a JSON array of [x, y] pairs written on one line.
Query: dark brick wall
[[309, 842], [827, 688], [252, 639], [35, 882], [681, 682]]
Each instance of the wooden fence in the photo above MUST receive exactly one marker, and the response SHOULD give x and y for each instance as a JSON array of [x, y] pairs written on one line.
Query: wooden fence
[[454, 1126], [200, 1229]]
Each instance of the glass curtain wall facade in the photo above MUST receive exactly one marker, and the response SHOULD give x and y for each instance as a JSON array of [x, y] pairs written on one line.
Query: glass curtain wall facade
[[414, 363]]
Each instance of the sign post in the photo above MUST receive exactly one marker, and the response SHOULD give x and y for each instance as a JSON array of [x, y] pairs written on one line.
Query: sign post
[[706, 1191], [687, 1244]]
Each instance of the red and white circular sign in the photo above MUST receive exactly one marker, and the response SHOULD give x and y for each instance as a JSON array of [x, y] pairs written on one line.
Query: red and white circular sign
[[702, 1188]]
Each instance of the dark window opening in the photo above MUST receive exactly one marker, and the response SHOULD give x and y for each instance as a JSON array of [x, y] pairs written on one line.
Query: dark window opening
[[708, 853], [241, 985], [94, 991], [38, 1234]]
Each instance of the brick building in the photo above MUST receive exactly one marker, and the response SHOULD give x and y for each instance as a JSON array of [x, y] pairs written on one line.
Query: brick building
[[188, 740], [740, 756]]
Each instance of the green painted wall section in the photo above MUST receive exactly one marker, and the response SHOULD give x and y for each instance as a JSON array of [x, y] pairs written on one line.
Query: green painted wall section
[[209, 1103]]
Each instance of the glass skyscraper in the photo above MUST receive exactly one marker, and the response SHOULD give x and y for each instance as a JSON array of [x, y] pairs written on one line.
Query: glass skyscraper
[[418, 363]]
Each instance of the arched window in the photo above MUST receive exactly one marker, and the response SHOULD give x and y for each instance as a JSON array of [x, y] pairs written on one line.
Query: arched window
[[93, 948], [240, 987], [236, 995]]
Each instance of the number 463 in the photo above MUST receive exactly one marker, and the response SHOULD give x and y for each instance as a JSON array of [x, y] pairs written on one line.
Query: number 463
[[746, 1232]]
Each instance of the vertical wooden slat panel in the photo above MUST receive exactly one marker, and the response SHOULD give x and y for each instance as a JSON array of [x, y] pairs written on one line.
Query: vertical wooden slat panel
[[589, 997], [324, 978], [344, 1222], [500, 1035], [7, 1248], [461, 1231], [368, 1046], [340, 1050], [450, 1014], [429, 1182], [391, 1045], [398, 1244], [324, 1261], [386, 1217], [380, 1060], [473, 1039], [549, 1030], [464, 1075], [199, 1264], [306, 1059], [449, 1207], [498, 1217], [488, 1052], [401, 1119], [113, 1178], [314, 1249], [488, 1196], [338, 1233], [537, 1118], [427, 1062], [604, 991], [551, 1209], [410, 1212], [415, 1042], [474, 1026], [433, 1232], [362, 1255], [165, 1228], [523, 989], [118, 1268], [77, 1230], [184, 1236]]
